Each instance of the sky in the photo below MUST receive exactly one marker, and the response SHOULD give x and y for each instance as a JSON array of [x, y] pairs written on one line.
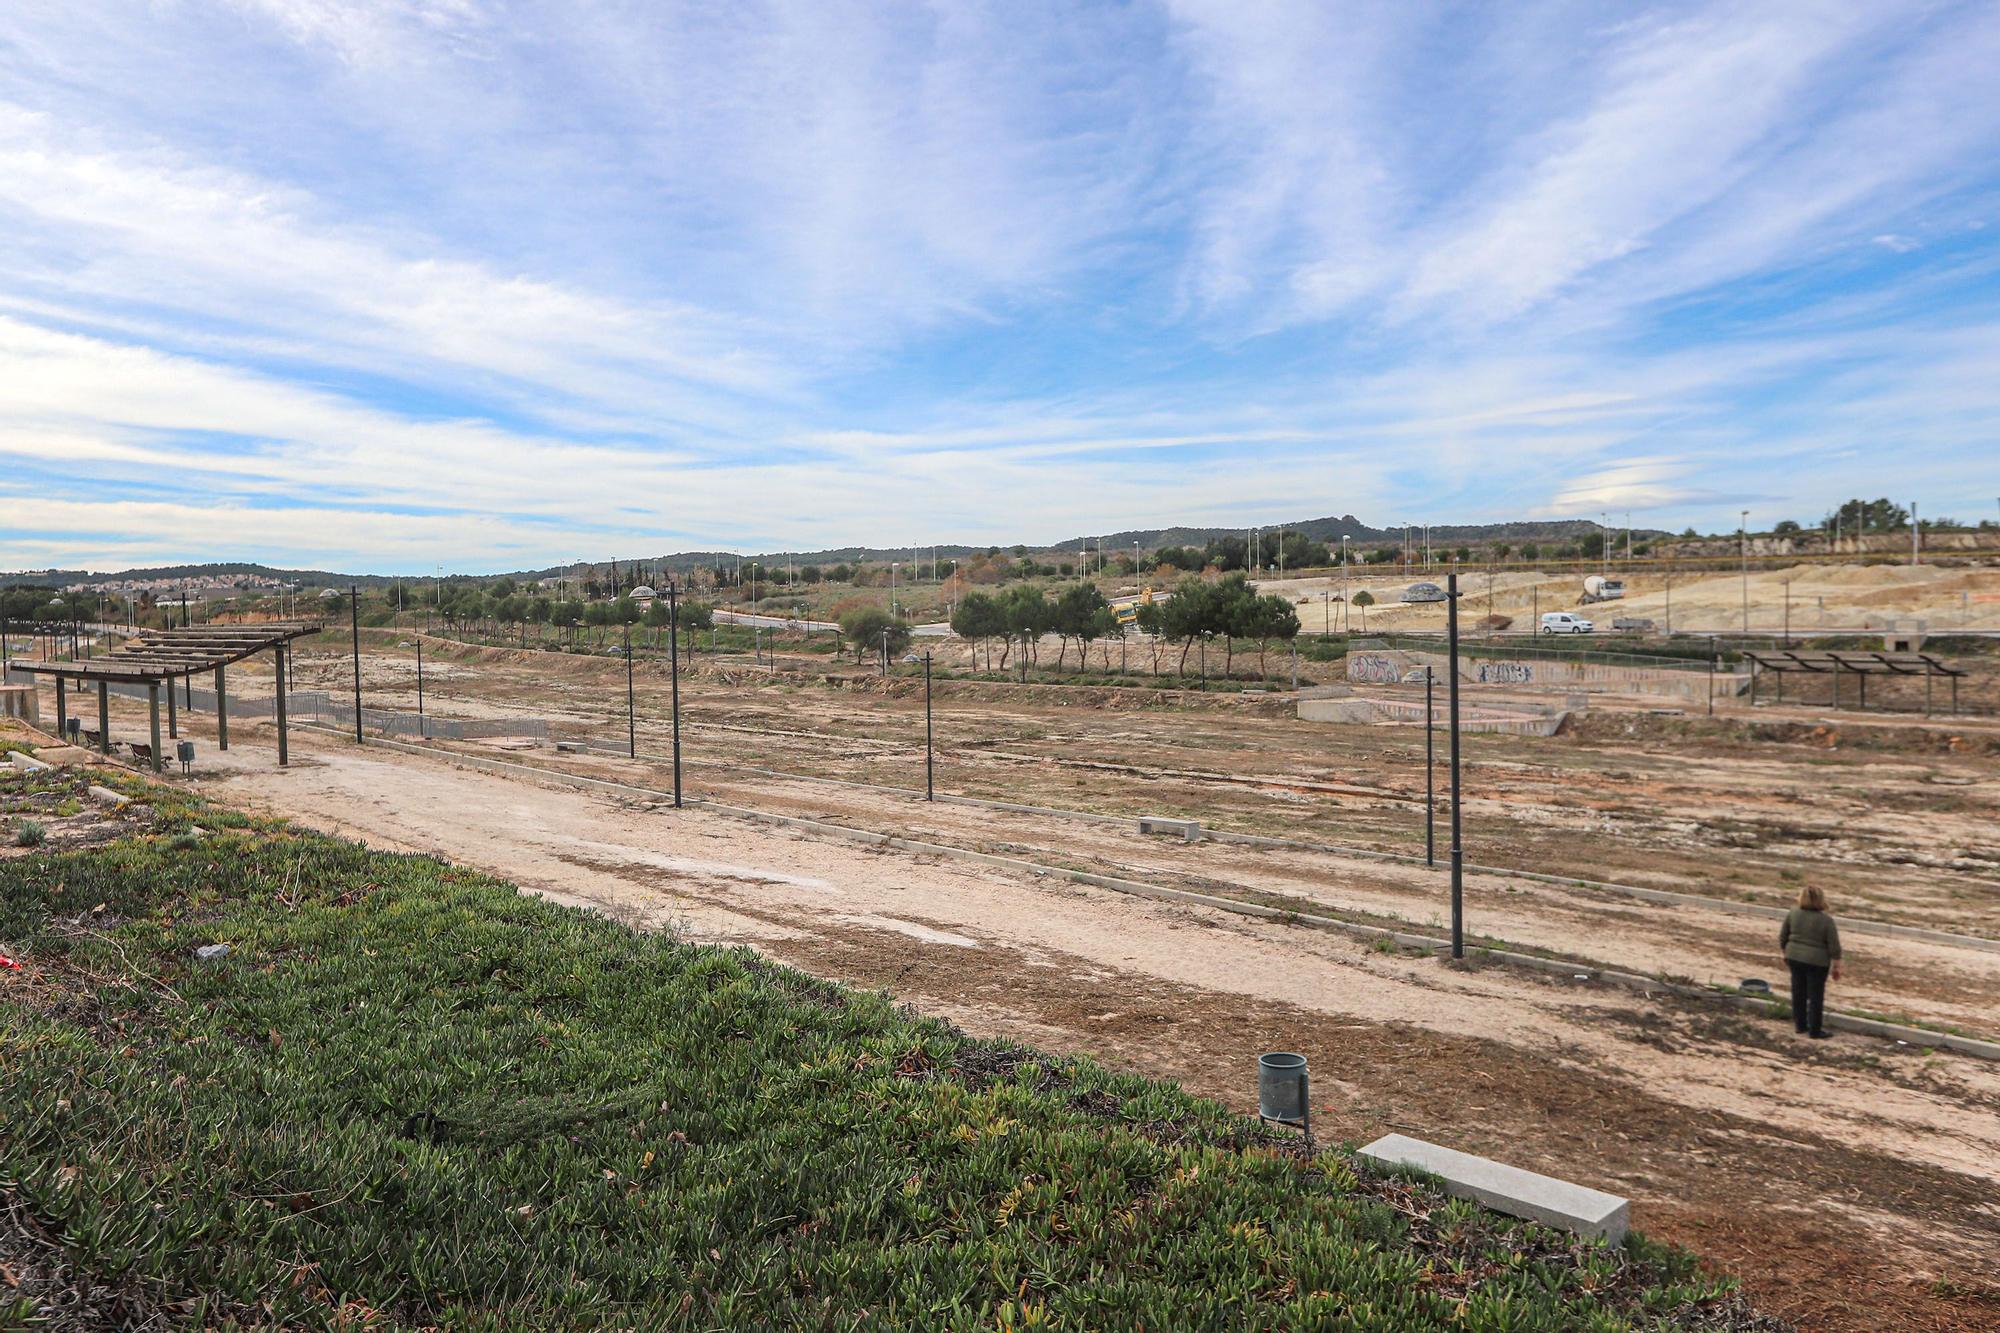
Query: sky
[[395, 286]]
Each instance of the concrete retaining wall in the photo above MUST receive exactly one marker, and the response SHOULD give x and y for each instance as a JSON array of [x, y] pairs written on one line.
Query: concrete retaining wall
[[1523, 721], [1391, 666]]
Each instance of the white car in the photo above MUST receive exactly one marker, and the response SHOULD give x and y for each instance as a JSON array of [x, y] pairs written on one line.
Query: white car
[[1562, 622]]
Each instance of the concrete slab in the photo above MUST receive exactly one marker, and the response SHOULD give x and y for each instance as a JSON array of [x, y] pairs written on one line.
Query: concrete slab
[[27, 763], [1509, 1189], [108, 796], [1189, 829]]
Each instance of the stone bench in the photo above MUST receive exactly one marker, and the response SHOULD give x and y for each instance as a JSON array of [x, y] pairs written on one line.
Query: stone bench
[[1190, 829], [1509, 1189]]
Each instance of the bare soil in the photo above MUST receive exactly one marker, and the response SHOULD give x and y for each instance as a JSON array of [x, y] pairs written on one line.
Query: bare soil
[[1850, 1183]]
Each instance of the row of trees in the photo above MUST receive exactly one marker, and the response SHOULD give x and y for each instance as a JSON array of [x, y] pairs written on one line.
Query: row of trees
[[1227, 609], [471, 609]]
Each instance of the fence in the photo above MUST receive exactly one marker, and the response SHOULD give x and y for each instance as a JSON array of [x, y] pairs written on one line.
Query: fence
[[297, 702], [1432, 643], [391, 723]]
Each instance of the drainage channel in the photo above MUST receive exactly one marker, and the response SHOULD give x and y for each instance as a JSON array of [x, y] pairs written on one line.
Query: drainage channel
[[1909, 1035]]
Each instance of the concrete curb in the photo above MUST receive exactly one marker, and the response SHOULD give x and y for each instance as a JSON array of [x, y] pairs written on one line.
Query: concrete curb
[[27, 763], [1914, 1036]]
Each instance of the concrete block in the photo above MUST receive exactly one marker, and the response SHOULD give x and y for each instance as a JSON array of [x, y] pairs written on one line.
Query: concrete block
[[21, 701], [27, 763], [108, 796], [1189, 829], [1509, 1189]]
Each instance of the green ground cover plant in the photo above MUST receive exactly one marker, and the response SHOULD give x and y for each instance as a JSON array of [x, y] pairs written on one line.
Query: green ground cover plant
[[410, 1097]]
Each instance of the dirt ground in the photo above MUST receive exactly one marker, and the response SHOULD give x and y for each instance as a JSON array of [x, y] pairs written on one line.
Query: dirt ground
[[1806, 598], [1850, 1183]]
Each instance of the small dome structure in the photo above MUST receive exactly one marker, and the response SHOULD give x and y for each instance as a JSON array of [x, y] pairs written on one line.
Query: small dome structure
[[643, 594]]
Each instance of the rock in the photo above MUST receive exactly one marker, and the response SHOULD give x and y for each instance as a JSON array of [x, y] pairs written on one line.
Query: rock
[[208, 953]]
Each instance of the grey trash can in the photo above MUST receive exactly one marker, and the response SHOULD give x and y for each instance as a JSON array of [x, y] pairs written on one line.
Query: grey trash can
[[1281, 1087]]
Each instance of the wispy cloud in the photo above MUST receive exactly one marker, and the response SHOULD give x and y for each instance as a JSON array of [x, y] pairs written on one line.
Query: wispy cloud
[[477, 282]]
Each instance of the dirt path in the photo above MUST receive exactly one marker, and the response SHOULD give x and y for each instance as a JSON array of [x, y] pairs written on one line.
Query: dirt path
[[1851, 1183]]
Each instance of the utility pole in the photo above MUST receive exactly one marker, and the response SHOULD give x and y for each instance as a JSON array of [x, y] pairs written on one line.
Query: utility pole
[[674, 657], [1457, 789], [354, 620]]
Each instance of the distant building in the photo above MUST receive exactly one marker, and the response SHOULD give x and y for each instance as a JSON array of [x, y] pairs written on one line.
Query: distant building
[[643, 595]]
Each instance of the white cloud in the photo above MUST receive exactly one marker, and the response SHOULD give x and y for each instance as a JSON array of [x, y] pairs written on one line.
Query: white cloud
[[480, 282]]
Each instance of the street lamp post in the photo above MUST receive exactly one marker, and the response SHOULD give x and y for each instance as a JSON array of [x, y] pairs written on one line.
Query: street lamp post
[[1457, 790], [1743, 538], [674, 658], [354, 620]]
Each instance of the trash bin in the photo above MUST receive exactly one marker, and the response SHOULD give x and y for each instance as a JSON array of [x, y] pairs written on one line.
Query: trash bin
[[1281, 1087]]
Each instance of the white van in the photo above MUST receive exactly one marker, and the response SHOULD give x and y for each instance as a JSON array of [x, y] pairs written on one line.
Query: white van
[[1562, 622]]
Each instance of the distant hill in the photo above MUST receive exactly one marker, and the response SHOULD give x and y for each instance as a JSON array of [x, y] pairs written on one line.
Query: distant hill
[[1320, 529], [1332, 529], [215, 572]]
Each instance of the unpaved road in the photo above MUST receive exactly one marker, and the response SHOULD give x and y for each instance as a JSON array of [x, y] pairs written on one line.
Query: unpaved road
[[1851, 1183]]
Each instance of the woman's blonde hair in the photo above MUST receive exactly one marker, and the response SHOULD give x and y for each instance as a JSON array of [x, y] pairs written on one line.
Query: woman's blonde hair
[[1813, 898]]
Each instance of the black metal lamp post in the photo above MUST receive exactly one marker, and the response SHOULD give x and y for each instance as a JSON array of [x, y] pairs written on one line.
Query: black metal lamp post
[[1457, 791]]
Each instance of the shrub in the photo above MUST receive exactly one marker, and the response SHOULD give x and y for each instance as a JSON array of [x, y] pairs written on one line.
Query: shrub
[[29, 833]]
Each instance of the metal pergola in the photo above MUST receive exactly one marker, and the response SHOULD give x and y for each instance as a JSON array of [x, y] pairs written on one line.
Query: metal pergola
[[1860, 665], [158, 658]]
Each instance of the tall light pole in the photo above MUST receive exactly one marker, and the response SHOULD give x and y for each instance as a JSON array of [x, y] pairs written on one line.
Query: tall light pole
[[1743, 538], [354, 620], [674, 667], [1345, 603], [1457, 791]]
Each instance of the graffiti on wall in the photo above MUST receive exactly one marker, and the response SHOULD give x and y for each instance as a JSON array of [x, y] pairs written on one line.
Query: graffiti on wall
[[1373, 669], [1506, 673]]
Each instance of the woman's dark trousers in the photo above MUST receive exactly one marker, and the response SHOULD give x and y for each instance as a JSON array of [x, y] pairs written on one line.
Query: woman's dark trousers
[[1808, 996]]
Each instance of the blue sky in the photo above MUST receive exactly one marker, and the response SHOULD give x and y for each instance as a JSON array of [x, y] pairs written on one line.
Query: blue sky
[[384, 286]]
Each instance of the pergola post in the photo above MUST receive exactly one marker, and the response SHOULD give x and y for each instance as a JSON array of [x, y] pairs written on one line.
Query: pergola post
[[1862, 676], [284, 743], [153, 707], [62, 710], [221, 713], [173, 712], [104, 717]]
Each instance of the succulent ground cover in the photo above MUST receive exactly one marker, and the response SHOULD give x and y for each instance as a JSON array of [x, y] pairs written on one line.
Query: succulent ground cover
[[408, 1096]]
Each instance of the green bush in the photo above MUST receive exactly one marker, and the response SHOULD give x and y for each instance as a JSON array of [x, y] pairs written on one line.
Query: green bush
[[30, 833]]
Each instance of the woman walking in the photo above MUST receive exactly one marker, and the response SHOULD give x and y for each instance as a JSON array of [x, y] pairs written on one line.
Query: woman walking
[[1811, 943]]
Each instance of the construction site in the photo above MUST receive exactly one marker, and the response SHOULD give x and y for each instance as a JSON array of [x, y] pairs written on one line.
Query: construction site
[[1165, 878]]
